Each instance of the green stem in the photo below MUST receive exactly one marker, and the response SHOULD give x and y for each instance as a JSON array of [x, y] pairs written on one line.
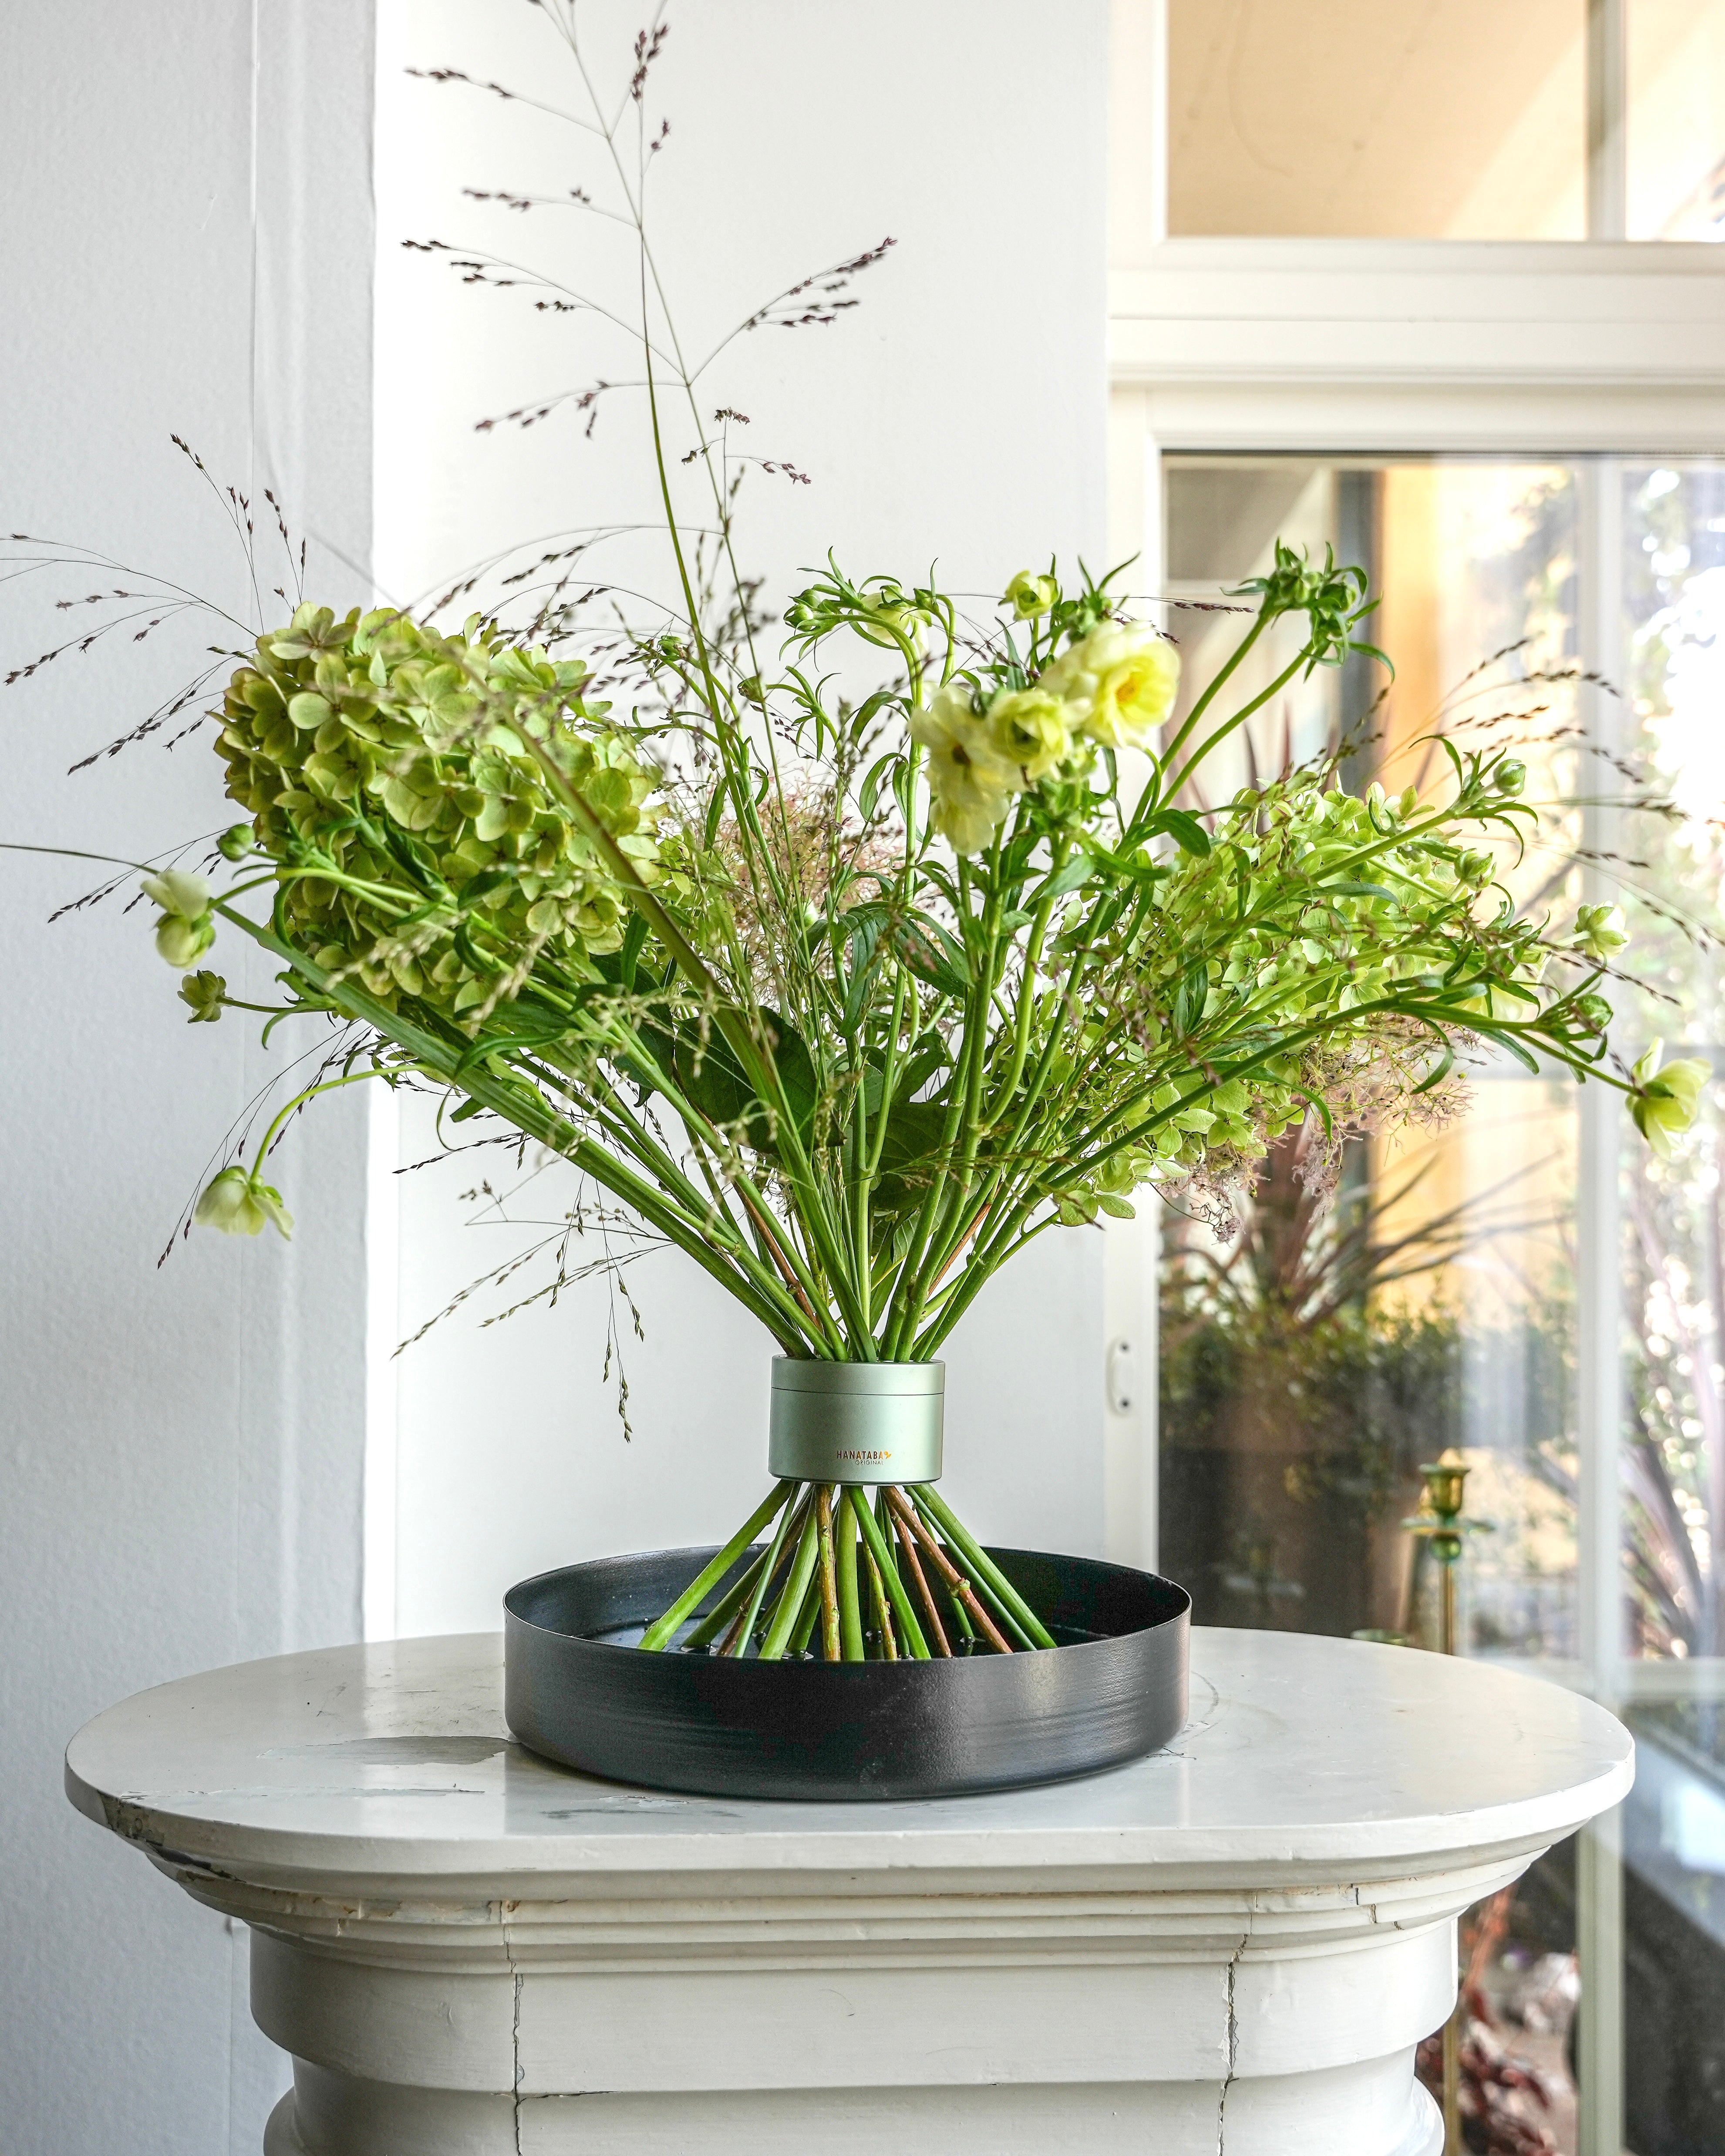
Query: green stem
[[851, 1625], [299, 1100], [726, 1607], [790, 1521], [525, 1109], [811, 1612], [790, 1603], [1202, 705], [1228, 726], [662, 1627]]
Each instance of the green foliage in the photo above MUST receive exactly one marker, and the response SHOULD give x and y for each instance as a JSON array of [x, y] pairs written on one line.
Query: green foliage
[[901, 1036]]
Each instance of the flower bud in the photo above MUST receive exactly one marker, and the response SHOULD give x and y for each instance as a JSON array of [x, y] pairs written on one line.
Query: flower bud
[[236, 843], [1511, 775], [204, 993], [182, 942], [1028, 596], [1599, 930], [187, 928]]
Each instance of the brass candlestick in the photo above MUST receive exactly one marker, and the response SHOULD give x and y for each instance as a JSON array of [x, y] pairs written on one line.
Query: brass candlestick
[[1441, 1521]]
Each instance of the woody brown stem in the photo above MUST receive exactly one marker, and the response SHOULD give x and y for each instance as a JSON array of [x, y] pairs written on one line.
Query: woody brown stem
[[924, 1594], [828, 1576], [883, 1615], [907, 1517], [777, 1255]]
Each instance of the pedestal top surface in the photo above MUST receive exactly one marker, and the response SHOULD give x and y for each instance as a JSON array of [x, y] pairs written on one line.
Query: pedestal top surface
[[394, 1758]]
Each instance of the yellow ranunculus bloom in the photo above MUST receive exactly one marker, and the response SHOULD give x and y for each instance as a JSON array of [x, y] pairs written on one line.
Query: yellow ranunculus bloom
[[1032, 729], [973, 783], [1123, 678]]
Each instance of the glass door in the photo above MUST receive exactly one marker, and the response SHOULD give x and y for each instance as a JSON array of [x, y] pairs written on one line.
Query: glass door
[[1518, 1276]]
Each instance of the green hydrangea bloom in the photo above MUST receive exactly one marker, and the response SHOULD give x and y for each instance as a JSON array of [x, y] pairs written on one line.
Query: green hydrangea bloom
[[396, 758]]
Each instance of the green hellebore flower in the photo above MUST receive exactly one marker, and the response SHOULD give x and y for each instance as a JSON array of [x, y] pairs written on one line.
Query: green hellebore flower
[[239, 1204], [187, 928], [1028, 596], [183, 942], [179, 891], [204, 993], [1599, 930], [1665, 1102]]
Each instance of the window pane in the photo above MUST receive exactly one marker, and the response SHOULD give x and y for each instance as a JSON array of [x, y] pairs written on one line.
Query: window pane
[[1447, 119], [1312, 1361], [1677, 120], [1673, 886], [1674, 1920]]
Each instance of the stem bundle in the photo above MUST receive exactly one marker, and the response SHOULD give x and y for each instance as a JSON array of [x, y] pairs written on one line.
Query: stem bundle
[[805, 1589]]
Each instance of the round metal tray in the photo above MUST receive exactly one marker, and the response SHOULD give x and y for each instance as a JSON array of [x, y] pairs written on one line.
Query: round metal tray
[[577, 1690]]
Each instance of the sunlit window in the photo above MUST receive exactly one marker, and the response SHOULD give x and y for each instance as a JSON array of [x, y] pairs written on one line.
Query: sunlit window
[[1313, 1358], [1407, 119], [1677, 120]]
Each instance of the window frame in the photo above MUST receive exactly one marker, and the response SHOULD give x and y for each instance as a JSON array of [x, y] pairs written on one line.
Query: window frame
[[1601, 350]]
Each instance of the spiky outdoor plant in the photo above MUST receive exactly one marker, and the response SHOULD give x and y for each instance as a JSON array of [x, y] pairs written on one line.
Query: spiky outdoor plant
[[851, 1000]]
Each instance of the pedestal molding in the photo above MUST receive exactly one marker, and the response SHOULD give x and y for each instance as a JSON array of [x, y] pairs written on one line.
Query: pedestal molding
[[1233, 1947]]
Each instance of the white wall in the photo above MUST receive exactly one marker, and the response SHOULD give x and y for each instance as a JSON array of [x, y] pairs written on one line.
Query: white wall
[[180, 1450], [959, 413]]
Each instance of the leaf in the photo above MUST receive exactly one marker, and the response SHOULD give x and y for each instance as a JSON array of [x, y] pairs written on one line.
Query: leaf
[[1183, 828], [867, 798], [1136, 866], [715, 811], [1079, 870], [1350, 888], [933, 953], [713, 1080], [929, 1055], [1192, 994], [634, 937], [863, 925], [1446, 1063], [915, 1130]]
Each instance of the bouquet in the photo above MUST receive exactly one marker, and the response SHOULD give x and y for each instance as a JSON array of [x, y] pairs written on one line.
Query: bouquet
[[851, 996]]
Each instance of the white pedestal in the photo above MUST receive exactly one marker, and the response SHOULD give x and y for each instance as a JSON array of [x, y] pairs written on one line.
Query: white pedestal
[[1230, 1948]]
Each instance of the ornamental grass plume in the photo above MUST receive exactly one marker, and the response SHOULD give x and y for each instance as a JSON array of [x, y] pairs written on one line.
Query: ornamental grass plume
[[852, 999]]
